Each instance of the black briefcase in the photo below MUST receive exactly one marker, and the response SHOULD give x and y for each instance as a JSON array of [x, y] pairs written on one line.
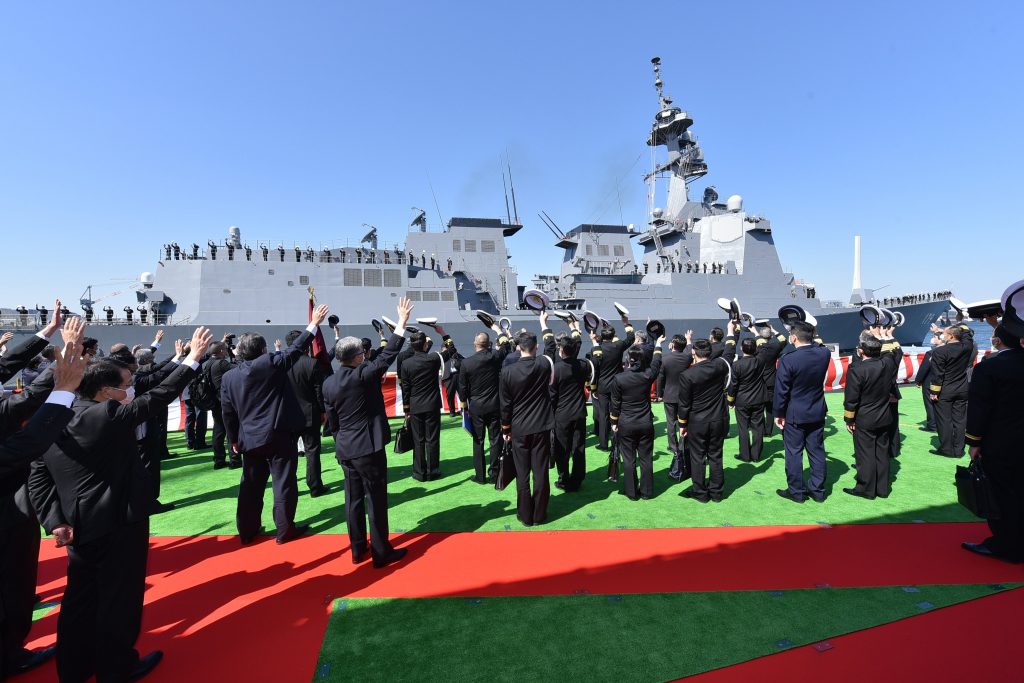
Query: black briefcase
[[403, 439], [613, 459], [679, 470], [506, 467], [974, 491]]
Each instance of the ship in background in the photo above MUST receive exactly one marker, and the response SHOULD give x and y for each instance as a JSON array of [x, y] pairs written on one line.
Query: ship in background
[[693, 253]]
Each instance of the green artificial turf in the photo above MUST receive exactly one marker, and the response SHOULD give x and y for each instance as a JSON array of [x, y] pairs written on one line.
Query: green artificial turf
[[649, 637], [922, 490], [42, 609]]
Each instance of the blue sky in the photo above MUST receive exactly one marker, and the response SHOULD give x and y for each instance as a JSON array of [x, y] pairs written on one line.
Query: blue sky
[[128, 125]]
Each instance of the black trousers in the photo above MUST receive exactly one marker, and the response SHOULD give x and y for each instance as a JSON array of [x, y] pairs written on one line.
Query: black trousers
[[366, 494], [750, 423], [19, 561], [151, 461], [929, 408], [871, 453], [1006, 473], [951, 421], [769, 416], [451, 392], [101, 612], [602, 415], [672, 428], [311, 446], [637, 448], [532, 453], [220, 436], [277, 461], [486, 427], [570, 453], [705, 446], [195, 425], [894, 429], [426, 445]]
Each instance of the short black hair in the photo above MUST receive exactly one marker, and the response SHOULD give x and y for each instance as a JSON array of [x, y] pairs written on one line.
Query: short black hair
[[607, 333], [48, 352], [89, 345], [803, 331], [216, 347], [418, 341], [123, 355], [1003, 335], [567, 343], [367, 344], [251, 346], [956, 332], [290, 338], [717, 334], [526, 341], [871, 348], [748, 346], [635, 356], [102, 373], [679, 342], [702, 348]]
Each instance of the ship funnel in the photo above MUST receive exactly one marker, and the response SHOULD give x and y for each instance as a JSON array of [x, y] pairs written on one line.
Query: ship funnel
[[860, 295]]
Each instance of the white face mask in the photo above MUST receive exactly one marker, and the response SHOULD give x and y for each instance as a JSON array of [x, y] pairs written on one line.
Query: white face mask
[[129, 396]]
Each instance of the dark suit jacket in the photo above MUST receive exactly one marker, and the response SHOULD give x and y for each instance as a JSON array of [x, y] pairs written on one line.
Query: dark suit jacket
[[769, 350], [950, 365], [256, 399], [924, 372], [355, 405], [702, 392], [747, 386], [525, 398], [478, 378], [995, 406], [572, 374], [868, 387], [92, 477], [307, 379], [631, 397], [419, 378], [800, 385], [673, 364], [20, 447], [608, 359], [18, 357]]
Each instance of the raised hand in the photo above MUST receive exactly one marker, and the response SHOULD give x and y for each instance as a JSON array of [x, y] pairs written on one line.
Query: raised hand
[[404, 310], [661, 340], [73, 330], [277, 344], [55, 322], [6, 337], [688, 336], [544, 319], [320, 314], [179, 348], [159, 337], [201, 339], [68, 368]]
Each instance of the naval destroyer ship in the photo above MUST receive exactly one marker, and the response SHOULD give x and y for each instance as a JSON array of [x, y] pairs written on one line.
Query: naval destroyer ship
[[692, 254]]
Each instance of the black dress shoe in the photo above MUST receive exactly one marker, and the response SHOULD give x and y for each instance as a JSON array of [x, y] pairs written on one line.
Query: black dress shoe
[[30, 659], [358, 556], [297, 531], [978, 549], [785, 493], [818, 499], [559, 485], [936, 451], [859, 494], [688, 493], [145, 665], [234, 464], [219, 465], [157, 507], [319, 491], [392, 557]]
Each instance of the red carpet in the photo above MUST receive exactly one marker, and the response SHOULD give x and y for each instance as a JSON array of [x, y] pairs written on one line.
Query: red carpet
[[211, 601], [971, 641]]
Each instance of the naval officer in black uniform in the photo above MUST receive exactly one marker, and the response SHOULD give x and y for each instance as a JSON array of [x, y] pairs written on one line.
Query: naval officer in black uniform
[[867, 412], [673, 364], [633, 421], [770, 345], [608, 360], [747, 395], [569, 400], [421, 401], [704, 420], [478, 387], [526, 422], [948, 386]]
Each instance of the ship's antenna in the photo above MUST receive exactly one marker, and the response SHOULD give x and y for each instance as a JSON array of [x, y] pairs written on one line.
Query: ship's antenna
[[508, 213], [550, 227], [511, 184], [436, 205], [553, 223]]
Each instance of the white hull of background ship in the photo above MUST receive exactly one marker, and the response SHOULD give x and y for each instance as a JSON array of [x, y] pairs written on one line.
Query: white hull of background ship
[[694, 252]]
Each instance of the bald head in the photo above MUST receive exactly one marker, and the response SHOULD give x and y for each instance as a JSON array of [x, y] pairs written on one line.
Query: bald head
[[482, 341]]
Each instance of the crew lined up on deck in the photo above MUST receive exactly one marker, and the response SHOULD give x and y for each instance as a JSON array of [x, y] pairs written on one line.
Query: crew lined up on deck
[[87, 467]]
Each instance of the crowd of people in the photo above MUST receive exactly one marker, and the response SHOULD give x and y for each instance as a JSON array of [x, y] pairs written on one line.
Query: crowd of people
[[83, 442]]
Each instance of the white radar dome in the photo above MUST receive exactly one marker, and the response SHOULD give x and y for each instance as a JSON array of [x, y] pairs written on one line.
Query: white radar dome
[[146, 278], [734, 203]]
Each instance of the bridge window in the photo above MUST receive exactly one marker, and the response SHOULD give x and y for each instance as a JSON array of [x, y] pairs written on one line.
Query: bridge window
[[487, 246], [303, 279], [447, 296], [470, 245], [412, 296], [619, 250], [456, 245], [371, 278], [590, 250], [353, 277], [431, 295], [602, 250], [392, 277]]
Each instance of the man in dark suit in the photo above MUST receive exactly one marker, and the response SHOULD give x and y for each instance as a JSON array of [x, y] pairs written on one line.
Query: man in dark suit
[[704, 420], [219, 363], [799, 407], [770, 345], [924, 374], [478, 387], [358, 419], [93, 494], [569, 401], [995, 429], [950, 365], [673, 364], [633, 421], [49, 413], [747, 395], [717, 338], [868, 414], [526, 422], [421, 402], [450, 381], [262, 418], [307, 379], [607, 358]]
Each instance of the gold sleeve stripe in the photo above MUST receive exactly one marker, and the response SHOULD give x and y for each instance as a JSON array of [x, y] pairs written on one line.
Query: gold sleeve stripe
[[935, 388], [850, 413], [973, 437]]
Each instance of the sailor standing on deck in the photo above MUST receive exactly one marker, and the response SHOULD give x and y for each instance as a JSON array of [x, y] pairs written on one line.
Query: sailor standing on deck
[[526, 422]]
